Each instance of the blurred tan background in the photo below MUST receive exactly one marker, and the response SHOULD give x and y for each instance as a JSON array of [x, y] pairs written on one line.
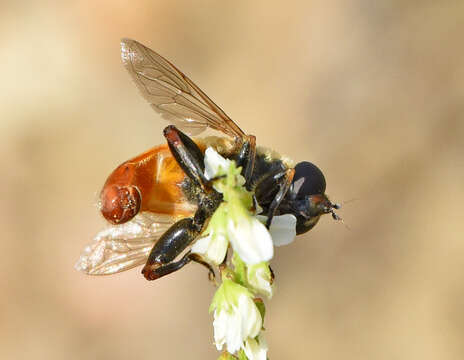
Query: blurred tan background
[[371, 91]]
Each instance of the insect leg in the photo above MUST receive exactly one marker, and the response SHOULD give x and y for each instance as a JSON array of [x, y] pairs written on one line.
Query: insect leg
[[168, 247], [171, 244], [246, 159], [282, 180], [187, 154], [174, 241], [198, 259], [176, 265], [161, 259]]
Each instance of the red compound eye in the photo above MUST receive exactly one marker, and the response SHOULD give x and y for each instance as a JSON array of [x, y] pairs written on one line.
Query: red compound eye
[[120, 204]]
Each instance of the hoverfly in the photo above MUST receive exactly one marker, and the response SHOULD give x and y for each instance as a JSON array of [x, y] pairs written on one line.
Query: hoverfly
[[159, 202]]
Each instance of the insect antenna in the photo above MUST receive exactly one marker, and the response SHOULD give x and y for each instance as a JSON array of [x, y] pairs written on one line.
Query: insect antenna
[[335, 216]]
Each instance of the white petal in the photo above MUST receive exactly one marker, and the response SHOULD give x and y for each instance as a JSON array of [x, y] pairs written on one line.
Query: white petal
[[236, 318], [234, 334], [251, 317], [251, 240], [220, 328], [201, 245], [259, 277], [212, 248], [214, 162], [217, 249], [256, 350], [283, 228]]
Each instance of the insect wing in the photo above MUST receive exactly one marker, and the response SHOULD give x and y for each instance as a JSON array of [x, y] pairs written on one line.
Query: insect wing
[[173, 94], [122, 247]]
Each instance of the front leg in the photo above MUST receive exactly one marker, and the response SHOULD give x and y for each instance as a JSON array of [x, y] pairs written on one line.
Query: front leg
[[284, 185], [275, 187]]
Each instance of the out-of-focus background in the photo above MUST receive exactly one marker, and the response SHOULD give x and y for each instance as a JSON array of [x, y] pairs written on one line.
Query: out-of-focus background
[[371, 91]]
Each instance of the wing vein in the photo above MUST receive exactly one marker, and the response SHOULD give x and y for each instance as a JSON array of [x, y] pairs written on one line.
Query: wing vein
[[153, 75]]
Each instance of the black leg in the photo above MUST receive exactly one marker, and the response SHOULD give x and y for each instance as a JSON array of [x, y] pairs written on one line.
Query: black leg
[[175, 240], [162, 270], [246, 159], [187, 154], [198, 259], [168, 247], [284, 185], [191, 159], [267, 187], [171, 267], [272, 189], [272, 274]]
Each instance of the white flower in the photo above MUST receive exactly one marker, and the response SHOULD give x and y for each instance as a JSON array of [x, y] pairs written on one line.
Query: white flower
[[250, 239], [256, 350], [259, 278], [236, 317], [212, 248], [215, 164], [283, 228]]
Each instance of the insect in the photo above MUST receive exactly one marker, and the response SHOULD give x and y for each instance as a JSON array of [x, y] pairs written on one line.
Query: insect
[[159, 202]]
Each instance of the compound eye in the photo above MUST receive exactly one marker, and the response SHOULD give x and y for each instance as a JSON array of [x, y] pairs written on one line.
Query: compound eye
[[308, 180], [120, 204]]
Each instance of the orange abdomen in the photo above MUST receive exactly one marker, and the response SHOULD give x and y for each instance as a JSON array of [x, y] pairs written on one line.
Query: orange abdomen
[[148, 182]]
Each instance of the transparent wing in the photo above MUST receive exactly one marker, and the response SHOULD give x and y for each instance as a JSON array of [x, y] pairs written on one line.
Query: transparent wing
[[173, 94], [122, 247]]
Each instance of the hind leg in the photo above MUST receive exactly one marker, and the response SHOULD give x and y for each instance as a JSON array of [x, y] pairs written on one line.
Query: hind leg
[[176, 239]]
